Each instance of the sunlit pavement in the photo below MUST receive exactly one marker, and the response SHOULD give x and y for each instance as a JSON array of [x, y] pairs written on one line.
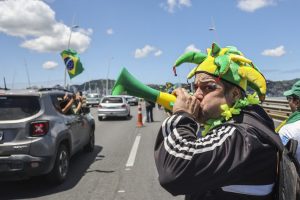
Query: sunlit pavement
[[121, 166]]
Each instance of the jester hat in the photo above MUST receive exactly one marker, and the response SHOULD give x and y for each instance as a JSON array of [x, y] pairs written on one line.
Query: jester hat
[[228, 64]]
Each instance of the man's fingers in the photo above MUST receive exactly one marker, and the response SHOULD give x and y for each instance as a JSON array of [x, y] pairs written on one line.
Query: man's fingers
[[195, 104], [176, 92], [180, 92]]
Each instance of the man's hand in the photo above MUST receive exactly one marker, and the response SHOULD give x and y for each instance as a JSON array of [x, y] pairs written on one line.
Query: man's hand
[[187, 103], [65, 98], [78, 98]]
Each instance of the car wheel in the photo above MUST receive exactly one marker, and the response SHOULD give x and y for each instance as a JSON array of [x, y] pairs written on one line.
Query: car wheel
[[100, 118], [61, 166], [89, 147], [127, 117]]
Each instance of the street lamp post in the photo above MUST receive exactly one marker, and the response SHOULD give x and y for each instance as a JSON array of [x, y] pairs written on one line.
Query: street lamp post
[[109, 62], [69, 42]]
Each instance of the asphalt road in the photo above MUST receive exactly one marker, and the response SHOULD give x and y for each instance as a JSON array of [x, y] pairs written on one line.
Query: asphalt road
[[121, 167]]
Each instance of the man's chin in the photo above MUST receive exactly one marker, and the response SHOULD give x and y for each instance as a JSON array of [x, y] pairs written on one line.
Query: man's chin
[[204, 118]]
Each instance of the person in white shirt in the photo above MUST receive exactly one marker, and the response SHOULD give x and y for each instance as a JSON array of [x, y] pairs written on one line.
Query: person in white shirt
[[290, 128]]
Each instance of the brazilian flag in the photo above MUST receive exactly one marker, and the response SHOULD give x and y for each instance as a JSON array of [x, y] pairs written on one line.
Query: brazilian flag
[[72, 62]]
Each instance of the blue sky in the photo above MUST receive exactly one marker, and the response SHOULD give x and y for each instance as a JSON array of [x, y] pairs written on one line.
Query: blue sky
[[145, 36]]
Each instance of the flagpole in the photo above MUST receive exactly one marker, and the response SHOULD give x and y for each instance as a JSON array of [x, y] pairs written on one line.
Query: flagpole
[[69, 42]]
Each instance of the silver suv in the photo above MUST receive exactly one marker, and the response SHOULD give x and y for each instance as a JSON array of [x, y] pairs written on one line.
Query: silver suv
[[36, 138]]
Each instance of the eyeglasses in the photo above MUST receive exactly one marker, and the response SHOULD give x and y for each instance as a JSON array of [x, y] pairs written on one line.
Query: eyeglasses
[[206, 87]]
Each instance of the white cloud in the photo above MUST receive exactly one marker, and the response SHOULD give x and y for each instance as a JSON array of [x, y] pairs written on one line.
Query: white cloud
[[35, 22], [191, 47], [252, 5], [146, 50], [277, 52], [50, 65], [171, 5], [158, 53], [186, 3], [49, 1], [110, 31]]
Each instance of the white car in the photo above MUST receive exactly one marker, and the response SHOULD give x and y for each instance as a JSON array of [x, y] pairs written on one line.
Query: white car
[[132, 100], [113, 106], [92, 99]]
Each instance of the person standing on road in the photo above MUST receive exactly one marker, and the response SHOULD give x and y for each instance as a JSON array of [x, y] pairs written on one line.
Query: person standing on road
[[149, 110], [230, 160], [290, 128]]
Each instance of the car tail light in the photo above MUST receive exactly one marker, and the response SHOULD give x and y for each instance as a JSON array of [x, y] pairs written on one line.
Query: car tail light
[[39, 128], [123, 106], [99, 106]]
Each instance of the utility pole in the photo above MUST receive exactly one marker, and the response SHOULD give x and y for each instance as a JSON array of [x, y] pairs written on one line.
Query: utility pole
[[90, 86], [5, 88], [28, 77], [109, 62]]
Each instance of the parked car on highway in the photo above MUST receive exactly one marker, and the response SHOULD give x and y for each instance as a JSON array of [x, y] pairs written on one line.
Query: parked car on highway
[[132, 100], [92, 99], [36, 138], [113, 106]]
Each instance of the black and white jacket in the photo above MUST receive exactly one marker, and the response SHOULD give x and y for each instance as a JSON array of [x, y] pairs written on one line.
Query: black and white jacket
[[231, 162]]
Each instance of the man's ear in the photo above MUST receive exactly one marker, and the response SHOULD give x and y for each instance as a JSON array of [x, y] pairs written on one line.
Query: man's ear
[[297, 102], [235, 93]]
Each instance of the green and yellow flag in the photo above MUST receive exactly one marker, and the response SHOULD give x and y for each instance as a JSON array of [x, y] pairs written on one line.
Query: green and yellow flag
[[72, 62]]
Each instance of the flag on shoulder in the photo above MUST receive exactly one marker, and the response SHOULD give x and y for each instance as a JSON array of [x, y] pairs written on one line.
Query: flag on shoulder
[[72, 62]]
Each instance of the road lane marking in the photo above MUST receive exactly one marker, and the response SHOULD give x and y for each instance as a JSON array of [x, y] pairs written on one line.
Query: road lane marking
[[131, 158]]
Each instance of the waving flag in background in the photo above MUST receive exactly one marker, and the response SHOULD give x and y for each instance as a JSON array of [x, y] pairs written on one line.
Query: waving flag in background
[[72, 62]]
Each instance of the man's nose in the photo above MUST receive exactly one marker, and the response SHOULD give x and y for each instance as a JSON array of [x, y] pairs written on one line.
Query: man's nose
[[199, 94]]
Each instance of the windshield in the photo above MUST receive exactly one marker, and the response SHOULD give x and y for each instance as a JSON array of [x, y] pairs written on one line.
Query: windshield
[[18, 107], [112, 100]]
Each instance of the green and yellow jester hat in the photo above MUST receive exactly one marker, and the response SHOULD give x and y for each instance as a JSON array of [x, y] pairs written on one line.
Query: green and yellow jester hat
[[228, 64]]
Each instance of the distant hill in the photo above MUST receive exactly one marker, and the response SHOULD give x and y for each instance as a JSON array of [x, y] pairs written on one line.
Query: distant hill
[[275, 88]]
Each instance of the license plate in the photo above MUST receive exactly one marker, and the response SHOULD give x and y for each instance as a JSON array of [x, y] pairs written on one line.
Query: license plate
[[1, 135]]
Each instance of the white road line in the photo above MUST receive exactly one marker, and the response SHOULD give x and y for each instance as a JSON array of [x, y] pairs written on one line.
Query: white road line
[[131, 158]]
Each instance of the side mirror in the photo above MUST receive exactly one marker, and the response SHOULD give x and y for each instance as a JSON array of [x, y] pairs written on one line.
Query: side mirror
[[85, 110]]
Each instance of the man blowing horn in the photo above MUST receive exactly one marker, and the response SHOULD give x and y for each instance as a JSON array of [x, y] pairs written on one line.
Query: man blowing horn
[[230, 160]]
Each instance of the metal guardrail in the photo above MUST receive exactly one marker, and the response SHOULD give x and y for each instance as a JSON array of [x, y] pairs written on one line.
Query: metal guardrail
[[277, 109]]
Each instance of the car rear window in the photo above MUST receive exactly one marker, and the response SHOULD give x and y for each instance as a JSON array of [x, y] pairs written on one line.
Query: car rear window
[[92, 96], [18, 107], [112, 100]]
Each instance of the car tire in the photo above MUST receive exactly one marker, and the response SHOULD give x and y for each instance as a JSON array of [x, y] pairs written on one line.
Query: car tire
[[89, 147], [61, 166], [127, 117], [100, 118]]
